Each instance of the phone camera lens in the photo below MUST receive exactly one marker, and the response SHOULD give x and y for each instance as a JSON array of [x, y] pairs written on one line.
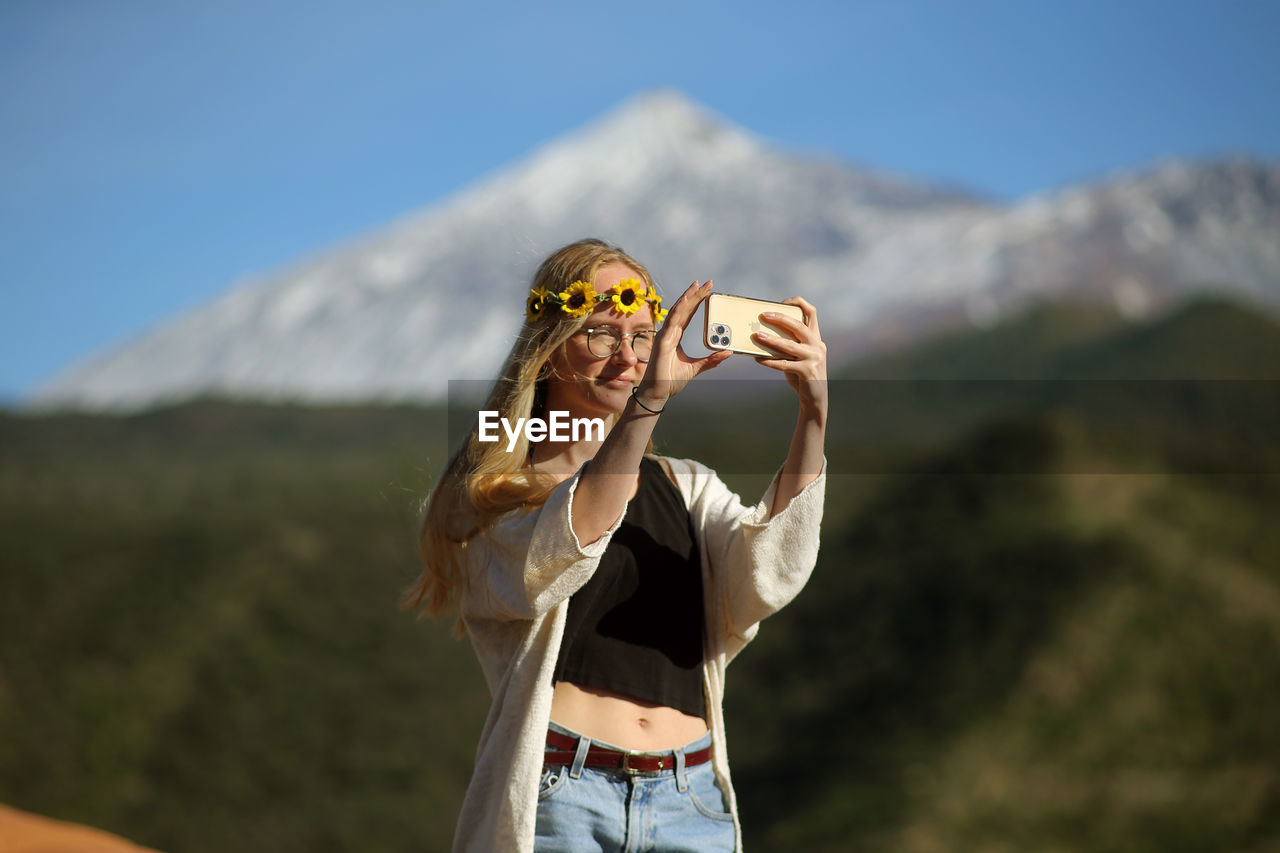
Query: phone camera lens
[[715, 339], [720, 329]]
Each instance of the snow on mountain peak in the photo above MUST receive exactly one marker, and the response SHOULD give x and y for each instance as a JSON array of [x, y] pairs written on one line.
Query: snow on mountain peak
[[624, 152], [666, 120], [439, 295]]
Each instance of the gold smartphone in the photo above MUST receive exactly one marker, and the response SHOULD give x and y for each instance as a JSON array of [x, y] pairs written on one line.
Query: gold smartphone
[[729, 321]]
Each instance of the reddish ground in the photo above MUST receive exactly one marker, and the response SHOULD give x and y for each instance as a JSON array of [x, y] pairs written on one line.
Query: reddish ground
[[21, 832]]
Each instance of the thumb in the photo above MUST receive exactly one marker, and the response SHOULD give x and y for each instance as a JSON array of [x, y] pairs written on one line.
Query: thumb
[[716, 359]]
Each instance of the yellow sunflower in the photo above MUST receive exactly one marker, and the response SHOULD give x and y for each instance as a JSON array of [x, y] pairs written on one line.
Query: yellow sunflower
[[655, 306], [578, 299], [628, 295], [536, 306]]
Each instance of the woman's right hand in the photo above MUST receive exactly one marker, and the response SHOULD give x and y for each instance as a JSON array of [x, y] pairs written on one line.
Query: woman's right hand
[[670, 368]]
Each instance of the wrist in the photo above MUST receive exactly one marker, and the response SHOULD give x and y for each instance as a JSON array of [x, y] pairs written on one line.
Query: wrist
[[814, 412], [648, 402]]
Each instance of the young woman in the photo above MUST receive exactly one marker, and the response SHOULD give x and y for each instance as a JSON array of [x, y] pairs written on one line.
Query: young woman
[[605, 589]]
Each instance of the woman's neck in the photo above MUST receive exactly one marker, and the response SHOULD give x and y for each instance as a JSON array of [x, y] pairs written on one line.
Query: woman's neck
[[562, 458]]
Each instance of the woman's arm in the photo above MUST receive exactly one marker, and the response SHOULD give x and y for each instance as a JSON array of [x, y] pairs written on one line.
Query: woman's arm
[[527, 562], [804, 459], [756, 562], [605, 486], [804, 362]]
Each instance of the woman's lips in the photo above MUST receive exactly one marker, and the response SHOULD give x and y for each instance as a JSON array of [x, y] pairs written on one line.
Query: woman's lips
[[616, 382]]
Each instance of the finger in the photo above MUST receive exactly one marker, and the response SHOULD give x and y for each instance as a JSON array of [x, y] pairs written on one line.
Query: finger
[[810, 312], [714, 360], [681, 303], [796, 329], [782, 364], [677, 319], [703, 292], [685, 358], [682, 311], [778, 344]]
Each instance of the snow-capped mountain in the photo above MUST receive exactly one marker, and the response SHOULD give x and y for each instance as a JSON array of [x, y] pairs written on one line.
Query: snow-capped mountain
[[439, 295]]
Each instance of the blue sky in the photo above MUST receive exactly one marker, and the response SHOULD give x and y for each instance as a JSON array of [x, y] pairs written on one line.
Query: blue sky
[[154, 152]]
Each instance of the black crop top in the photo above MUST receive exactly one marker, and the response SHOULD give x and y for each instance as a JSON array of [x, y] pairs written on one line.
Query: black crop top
[[637, 626]]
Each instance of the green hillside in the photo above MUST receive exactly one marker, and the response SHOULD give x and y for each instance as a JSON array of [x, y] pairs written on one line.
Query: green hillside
[[1046, 614], [199, 646], [1206, 338], [1030, 345], [1026, 661]]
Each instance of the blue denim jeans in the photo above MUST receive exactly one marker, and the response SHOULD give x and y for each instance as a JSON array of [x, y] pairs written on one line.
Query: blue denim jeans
[[595, 809]]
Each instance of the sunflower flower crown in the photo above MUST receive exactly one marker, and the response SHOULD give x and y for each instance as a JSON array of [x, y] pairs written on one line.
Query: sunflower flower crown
[[580, 298]]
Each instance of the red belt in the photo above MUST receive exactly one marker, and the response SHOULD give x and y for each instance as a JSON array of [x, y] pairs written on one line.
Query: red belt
[[564, 749]]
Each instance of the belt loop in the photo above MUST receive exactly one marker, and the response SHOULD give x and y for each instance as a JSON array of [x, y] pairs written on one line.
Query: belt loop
[[580, 757], [682, 781]]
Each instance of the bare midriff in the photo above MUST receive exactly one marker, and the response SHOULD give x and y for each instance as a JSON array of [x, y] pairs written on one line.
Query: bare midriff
[[623, 720]]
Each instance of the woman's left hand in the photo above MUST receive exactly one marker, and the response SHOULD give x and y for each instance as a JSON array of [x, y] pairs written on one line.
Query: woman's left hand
[[802, 354]]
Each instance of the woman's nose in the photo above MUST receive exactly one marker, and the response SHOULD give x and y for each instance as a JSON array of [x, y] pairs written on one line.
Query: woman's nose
[[625, 354]]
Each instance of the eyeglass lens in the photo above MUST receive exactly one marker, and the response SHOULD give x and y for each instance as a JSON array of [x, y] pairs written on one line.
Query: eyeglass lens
[[605, 342]]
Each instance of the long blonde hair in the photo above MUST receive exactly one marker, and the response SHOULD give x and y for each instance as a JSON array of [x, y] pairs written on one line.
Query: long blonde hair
[[482, 480]]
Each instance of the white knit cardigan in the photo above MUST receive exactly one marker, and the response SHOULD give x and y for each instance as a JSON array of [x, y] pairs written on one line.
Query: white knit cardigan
[[521, 574]]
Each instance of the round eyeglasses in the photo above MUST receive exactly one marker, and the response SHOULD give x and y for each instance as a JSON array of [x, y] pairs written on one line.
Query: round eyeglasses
[[603, 341]]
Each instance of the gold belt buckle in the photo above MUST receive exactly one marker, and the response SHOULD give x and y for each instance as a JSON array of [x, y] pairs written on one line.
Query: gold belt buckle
[[637, 771]]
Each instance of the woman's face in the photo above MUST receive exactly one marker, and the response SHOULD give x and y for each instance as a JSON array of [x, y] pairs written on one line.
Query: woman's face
[[589, 386]]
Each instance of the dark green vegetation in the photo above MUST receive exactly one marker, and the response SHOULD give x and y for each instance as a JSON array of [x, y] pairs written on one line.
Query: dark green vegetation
[[1046, 614]]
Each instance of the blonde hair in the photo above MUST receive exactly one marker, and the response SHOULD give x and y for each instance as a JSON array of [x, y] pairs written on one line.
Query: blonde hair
[[483, 481]]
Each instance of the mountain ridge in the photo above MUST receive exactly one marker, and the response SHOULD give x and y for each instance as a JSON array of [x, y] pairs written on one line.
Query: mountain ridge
[[886, 259]]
